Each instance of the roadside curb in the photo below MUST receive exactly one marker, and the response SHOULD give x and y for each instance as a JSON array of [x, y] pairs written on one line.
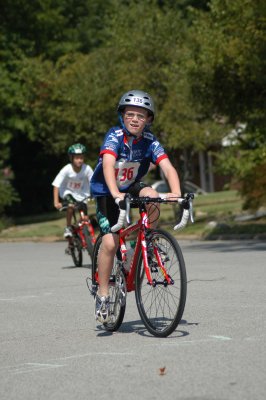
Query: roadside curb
[[225, 237], [235, 236], [48, 239]]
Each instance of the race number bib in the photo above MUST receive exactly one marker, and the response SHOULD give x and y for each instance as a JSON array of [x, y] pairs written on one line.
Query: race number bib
[[74, 185], [125, 173]]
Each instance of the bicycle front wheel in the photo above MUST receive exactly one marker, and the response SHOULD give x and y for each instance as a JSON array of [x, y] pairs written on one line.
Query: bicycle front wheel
[[88, 240], [117, 289], [161, 304], [76, 251]]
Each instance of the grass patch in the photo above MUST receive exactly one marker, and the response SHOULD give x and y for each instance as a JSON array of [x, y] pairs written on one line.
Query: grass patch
[[214, 216], [36, 230], [237, 229]]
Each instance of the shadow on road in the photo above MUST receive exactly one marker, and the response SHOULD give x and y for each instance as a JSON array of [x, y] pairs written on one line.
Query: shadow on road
[[222, 278], [88, 266], [137, 327]]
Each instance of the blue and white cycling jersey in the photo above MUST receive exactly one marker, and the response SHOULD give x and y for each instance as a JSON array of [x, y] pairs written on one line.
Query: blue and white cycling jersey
[[133, 157]]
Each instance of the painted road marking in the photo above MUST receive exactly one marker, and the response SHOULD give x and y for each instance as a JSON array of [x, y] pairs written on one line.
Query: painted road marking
[[221, 337], [30, 296], [76, 356], [26, 368], [211, 338], [33, 367]]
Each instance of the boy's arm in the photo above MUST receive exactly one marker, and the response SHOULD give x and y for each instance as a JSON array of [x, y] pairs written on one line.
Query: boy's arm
[[90, 173], [89, 176], [171, 176], [109, 175], [57, 203]]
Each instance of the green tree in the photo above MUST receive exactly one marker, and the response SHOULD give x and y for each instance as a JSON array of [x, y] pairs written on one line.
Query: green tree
[[31, 34], [65, 64], [52, 28], [228, 82]]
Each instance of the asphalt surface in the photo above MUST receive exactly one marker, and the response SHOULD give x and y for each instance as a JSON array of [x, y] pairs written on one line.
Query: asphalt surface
[[51, 347]]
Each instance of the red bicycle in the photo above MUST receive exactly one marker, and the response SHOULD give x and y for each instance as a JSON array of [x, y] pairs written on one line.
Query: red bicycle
[[83, 234], [156, 270]]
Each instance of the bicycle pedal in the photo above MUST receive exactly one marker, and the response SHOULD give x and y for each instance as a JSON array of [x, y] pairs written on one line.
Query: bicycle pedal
[[93, 288], [68, 251], [122, 298], [112, 279]]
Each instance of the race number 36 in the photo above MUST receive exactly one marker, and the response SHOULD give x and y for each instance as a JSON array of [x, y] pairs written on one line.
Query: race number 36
[[124, 174]]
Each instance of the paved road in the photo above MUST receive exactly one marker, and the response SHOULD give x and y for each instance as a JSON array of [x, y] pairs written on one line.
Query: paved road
[[51, 347]]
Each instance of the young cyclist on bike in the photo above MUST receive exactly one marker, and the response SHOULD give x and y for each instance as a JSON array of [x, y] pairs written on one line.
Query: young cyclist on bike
[[124, 160], [72, 183]]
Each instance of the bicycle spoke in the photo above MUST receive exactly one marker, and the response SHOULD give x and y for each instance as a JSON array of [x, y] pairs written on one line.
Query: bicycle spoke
[[117, 286], [76, 251], [161, 305]]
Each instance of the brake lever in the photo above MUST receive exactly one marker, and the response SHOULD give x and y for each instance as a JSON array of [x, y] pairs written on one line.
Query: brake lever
[[191, 211], [127, 209]]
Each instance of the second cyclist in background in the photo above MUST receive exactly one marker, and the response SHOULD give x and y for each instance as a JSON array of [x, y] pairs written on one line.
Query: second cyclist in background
[[125, 157], [72, 183]]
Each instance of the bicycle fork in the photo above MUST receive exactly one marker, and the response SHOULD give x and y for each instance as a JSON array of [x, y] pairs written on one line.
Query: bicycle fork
[[148, 269]]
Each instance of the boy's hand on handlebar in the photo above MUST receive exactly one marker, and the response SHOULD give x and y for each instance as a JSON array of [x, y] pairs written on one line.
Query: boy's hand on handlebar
[[119, 195], [172, 195], [121, 203], [123, 208], [58, 205]]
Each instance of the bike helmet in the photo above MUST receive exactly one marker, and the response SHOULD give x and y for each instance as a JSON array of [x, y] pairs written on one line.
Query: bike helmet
[[77, 148], [137, 98]]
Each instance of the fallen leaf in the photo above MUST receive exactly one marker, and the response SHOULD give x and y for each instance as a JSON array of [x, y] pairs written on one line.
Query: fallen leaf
[[162, 371]]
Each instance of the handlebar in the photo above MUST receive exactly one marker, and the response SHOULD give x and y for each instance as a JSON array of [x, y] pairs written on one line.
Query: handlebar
[[76, 204], [124, 205]]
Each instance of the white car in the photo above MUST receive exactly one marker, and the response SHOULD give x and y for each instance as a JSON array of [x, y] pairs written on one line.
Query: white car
[[161, 187]]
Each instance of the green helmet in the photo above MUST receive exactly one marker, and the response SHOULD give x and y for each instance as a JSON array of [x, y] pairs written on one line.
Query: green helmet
[[77, 148]]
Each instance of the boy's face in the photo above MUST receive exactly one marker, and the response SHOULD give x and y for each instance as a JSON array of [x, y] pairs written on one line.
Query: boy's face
[[135, 119], [78, 160]]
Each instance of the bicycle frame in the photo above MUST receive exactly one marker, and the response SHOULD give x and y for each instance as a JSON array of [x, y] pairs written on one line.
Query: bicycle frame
[[77, 227], [156, 256], [141, 245]]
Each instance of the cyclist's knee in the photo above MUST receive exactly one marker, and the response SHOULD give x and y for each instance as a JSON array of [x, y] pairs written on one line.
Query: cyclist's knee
[[149, 192], [109, 243]]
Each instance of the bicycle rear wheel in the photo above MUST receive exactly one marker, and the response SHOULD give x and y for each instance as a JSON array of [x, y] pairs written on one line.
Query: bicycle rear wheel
[[117, 289], [88, 240], [161, 305], [76, 251]]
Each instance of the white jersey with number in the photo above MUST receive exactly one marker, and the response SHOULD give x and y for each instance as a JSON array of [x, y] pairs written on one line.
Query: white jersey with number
[[75, 183]]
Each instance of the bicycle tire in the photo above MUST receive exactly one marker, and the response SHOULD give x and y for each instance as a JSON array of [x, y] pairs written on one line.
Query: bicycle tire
[[161, 306], [88, 241], [76, 251], [117, 285]]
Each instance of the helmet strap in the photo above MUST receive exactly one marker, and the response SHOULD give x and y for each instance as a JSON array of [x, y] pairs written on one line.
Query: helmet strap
[[120, 117]]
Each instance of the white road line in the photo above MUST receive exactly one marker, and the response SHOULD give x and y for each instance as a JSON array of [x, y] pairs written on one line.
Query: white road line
[[33, 367], [212, 338], [221, 337], [42, 364], [31, 296], [19, 298], [91, 354]]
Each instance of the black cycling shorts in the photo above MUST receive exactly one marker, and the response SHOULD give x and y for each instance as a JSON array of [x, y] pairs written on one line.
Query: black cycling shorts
[[81, 206], [107, 210]]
